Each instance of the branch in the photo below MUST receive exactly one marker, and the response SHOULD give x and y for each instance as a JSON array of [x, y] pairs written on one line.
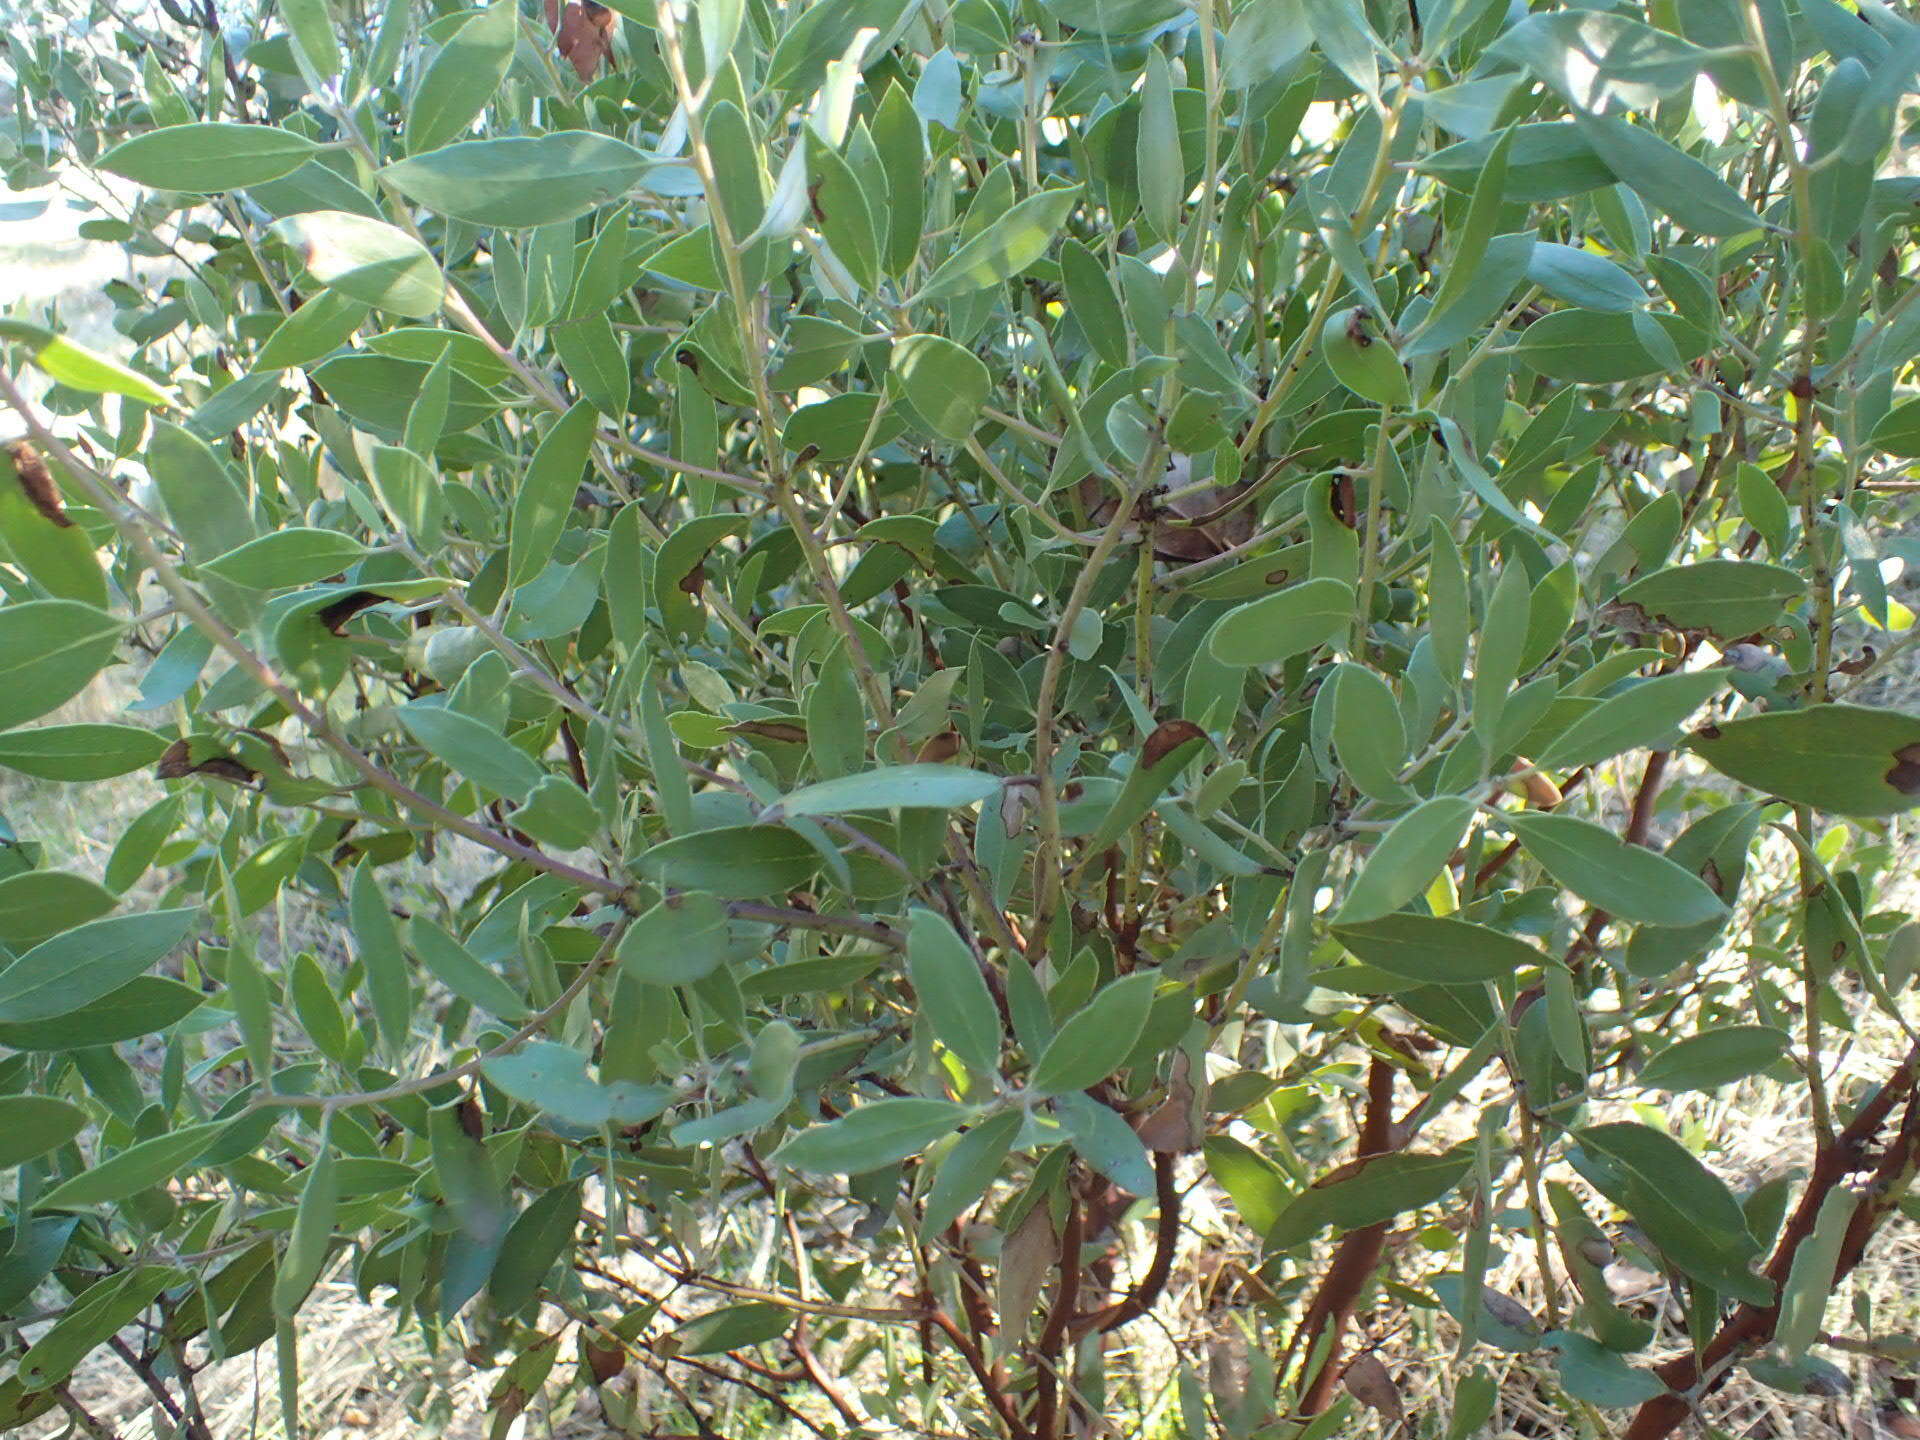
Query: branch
[[1054, 1334], [989, 1386], [1354, 1262], [1147, 1290], [1752, 1325]]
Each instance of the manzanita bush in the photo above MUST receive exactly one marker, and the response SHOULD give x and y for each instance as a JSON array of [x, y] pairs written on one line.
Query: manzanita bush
[[791, 664]]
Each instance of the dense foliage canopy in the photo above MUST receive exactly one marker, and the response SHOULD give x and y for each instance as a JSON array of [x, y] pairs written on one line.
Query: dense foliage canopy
[[759, 676]]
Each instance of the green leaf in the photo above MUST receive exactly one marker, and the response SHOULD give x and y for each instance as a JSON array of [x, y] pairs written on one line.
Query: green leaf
[[311, 1238], [517, 182], [1286, 623], [1714, 1057], [1091, 301], [1643, 716], [1255, 1184], [1159, 170], [1483, 217], [366, 260], [951, 992], [319, 327], [31, 1125], [1368, 1191], [100, 1313], [1600, 62], [1583, 278], [378, 940], [136, 1168], [89, 961], [878, 1133], [1682, 1206], [27, 1257], [821, 35], [1898, 431], [1106, 1142], [1550, 160], [1165, 753], [461, 80], [473, 748], [1096, 1039], [534, 1243], [1010, 243], [1596, 347], [310, 26], [679, 941], [733, 1327], [1731, 599], [1368, 733], [203, 501], [40, 903], [553, 1078], [205, 158], [1266, 37], [746, 862], [964, 1172], [80, 752], [1691, 194], [1812, 1277], [1435, 950], [41, 537], [892, 787], [942, 383], [1407, 858], [454, 966], [287, 558], [144, 1005], [49, 651], [547, 491], [1847, 759], [1595, 1374], [1629, 882]]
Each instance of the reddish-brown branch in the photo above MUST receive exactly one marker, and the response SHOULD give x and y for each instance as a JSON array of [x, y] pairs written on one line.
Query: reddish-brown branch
[[1356, 1259], [1752, 1325], [989, 1387], [973, 1285], [1053, 1334], [823, 1382], [1500, 862], [1148, 1289]]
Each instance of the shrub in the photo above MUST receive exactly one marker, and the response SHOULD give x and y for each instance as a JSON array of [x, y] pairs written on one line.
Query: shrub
[[779, 669]]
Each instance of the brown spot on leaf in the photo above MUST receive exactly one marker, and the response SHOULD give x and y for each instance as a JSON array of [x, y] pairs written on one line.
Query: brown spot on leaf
[[1345, 506], [177, 762], [1710, 873], [336, 615], [1171, 1129], [583, 34], [471, 1120], [1367, 1380], [788, 732], [1905, 774], [37, 484], [938, 749], [1168, 737], [1708, 732], [604, 1362]]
